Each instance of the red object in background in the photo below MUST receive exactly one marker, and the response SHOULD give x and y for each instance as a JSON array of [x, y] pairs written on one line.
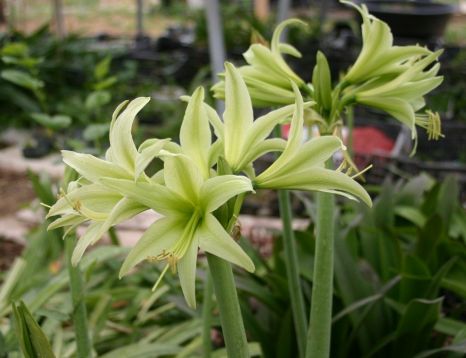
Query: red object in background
[[370, 140]]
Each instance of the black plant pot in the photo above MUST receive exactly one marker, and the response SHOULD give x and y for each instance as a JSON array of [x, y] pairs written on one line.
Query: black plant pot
[[412, 19]]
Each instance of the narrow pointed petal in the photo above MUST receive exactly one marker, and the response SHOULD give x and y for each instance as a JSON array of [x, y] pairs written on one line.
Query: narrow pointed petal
[[215, 121], [294, 139], [183, 176], [94, 197], [123, 149], [66, 220], [319, 179], [396, 107], [155, 196], [147, 154], [238, 114], [195, 135], [93, 168], [264, 125], [125, 209], [314, 153], [262, 148], [161, 235], [84, 242], [187, 273], [218, 190], [214, 239], [117, 112]]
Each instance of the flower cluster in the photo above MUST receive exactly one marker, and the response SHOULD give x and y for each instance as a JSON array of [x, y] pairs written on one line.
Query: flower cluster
[[390, 78], [199, 176]]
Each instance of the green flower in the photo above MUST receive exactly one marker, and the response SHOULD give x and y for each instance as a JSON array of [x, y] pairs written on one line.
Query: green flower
[[87, 199], [378, 55], [267, 75], [246, 139], [390, 78], [188, 201], [301, 166]]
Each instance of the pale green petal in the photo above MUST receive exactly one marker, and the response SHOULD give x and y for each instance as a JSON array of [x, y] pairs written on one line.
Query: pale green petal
[[117, 112], [195, 135], [396, 107], [262, 148], [93, 168], [315, 152], [214, 239], [155, 196], [215, 121], [295, 137], [122, 211], [319, 179], [84, 242], [187, 273], [263, 59], [66, 220], [94, 197], [161, 235], [183, 177], [238, 116], [264, 125], [123, 149], [289, 50], [215, 151], [147, 154], [218, 190]]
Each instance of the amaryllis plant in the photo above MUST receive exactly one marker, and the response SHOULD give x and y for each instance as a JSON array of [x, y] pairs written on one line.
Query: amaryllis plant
[[201, 186]]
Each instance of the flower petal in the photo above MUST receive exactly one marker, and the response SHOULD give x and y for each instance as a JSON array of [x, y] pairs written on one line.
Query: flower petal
[[124, 151], [319, 179], [93, 168], [218, 190], [187, 273], [84, 241], [147, 154], [183, 176], [155, 196], [161, 235], [238, 116], [94, 197], [214, 239], [195, 135]]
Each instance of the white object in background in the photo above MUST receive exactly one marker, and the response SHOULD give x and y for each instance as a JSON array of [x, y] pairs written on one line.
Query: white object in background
[[196, 4]]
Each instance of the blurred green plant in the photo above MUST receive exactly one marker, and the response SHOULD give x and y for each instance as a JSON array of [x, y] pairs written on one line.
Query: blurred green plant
[[399, 287]]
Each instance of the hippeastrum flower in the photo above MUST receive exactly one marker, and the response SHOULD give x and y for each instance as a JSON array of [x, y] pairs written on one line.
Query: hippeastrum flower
[[390, 78], [267, 75], [378, 55], [403, 95], [87, 199], [188, 201], [301, 166], [245, 139]]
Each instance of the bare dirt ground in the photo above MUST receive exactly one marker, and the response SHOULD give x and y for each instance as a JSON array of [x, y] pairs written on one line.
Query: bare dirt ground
[[15, 192]]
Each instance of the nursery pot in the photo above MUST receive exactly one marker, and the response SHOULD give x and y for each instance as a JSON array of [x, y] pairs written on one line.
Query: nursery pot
[[412, 19]]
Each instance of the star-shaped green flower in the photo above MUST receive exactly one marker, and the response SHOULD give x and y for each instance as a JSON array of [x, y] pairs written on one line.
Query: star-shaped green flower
[[188, 201]]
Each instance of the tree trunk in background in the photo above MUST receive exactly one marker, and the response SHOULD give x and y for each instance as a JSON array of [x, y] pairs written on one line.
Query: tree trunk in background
[[2, 12], [59, 18]]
